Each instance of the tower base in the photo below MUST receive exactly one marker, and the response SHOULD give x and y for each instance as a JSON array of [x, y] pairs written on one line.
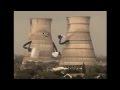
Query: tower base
[[29, 62]]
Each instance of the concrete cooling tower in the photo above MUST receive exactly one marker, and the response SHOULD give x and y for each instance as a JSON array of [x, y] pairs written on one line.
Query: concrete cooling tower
[[79, 49], [42, 44]]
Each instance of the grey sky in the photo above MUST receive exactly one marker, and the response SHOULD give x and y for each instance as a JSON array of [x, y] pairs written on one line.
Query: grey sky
[[98, 27]]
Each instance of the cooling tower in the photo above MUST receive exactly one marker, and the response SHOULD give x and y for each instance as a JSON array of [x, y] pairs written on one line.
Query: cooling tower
[[79, 49], [42, 44]]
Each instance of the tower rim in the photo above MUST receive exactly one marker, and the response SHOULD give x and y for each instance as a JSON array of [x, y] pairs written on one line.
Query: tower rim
[[42, 18], [78, 16]]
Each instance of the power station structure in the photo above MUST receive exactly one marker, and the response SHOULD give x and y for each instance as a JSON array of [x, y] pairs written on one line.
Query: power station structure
[[40, 45], [79, 50]]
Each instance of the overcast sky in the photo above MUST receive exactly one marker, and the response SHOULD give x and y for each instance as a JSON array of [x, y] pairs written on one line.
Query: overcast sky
[[98, 27]]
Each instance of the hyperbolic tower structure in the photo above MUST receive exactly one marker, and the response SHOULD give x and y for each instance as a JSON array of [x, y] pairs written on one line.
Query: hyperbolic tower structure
[[41, 38], [79, 49]]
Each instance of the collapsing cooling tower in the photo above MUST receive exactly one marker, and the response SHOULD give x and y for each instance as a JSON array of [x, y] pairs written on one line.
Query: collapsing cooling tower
[[42, 44], [79, 49]]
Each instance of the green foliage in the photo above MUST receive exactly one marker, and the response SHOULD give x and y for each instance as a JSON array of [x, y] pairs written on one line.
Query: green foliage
[[73, 71], [83, 68], [34, 71], [97, 69], [78, 77], [25, 74], [41, 70], [95, 75], [17, 62], [47, 75], [101, 58], [90, 75]]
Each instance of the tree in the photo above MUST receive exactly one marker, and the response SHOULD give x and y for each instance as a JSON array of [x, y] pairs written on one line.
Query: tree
[[83, 68], [25, 74]]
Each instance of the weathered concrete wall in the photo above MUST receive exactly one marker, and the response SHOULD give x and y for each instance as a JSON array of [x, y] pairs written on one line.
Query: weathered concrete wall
[[79, 50], [42, 44]]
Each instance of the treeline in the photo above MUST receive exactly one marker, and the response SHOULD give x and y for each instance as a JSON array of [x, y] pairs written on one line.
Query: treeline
[[42, 70]]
